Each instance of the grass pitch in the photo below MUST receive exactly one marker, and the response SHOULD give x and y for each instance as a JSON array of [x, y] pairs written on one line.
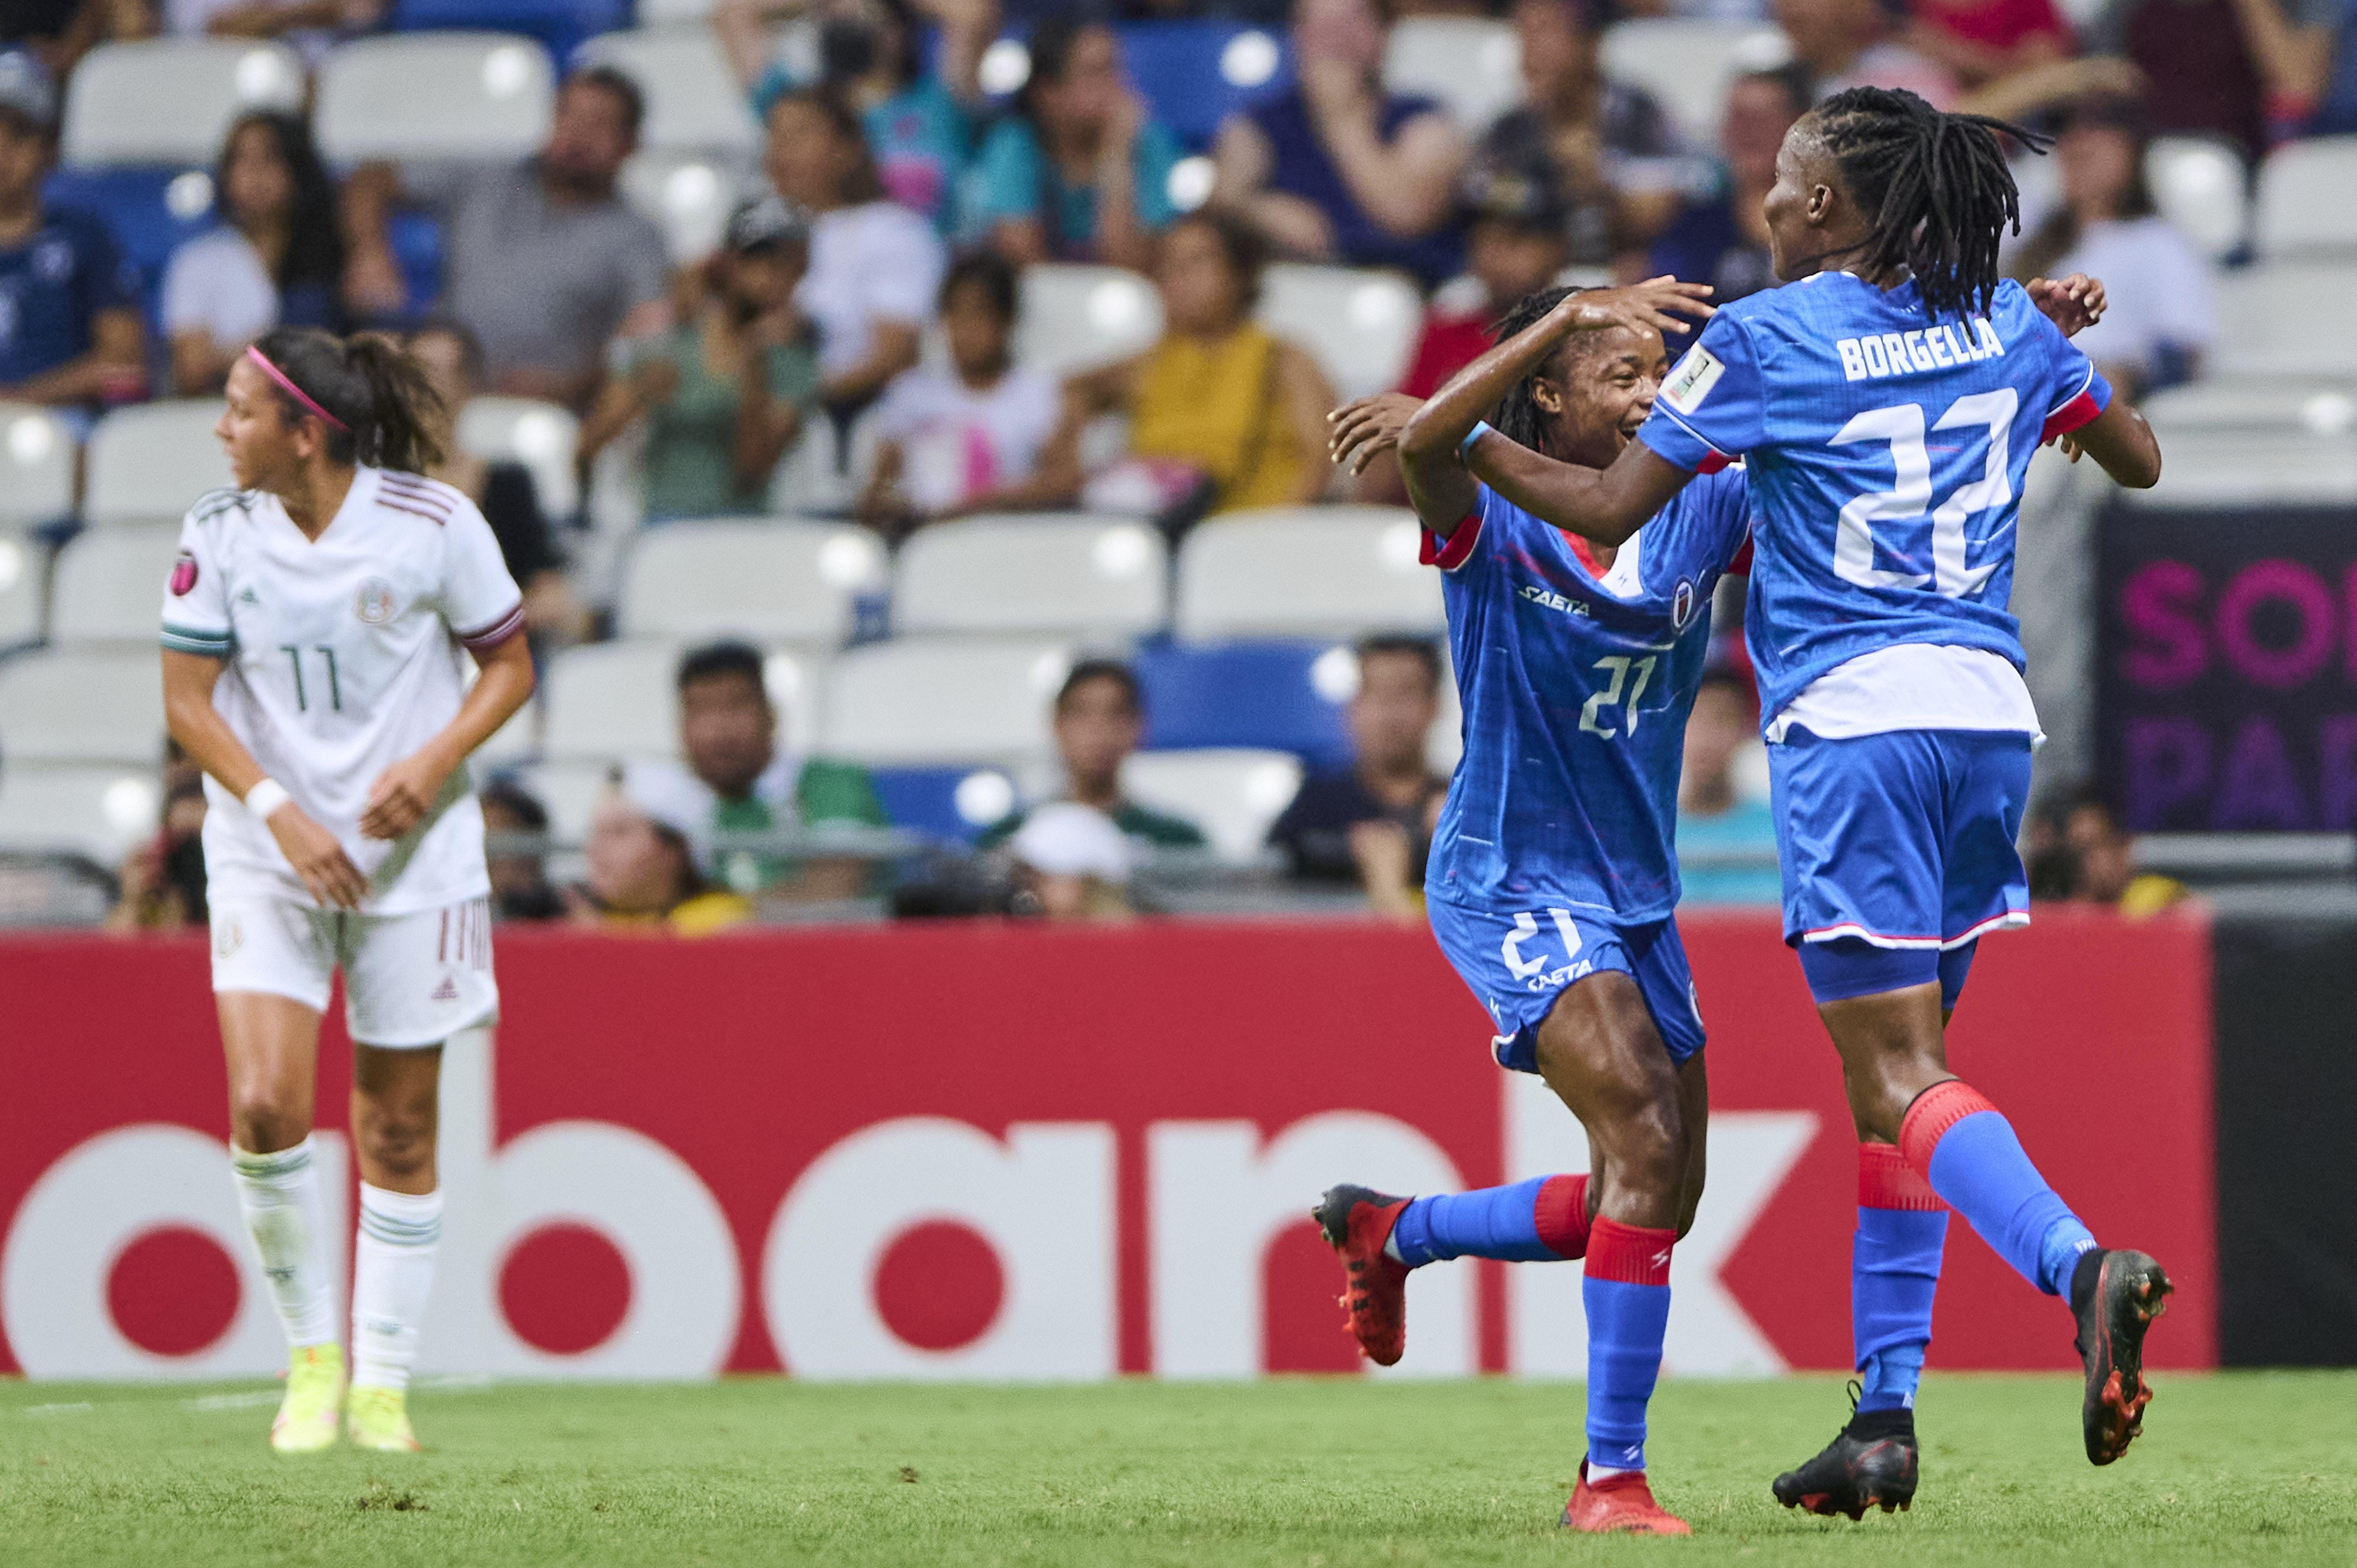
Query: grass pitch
[[1307, 1472]]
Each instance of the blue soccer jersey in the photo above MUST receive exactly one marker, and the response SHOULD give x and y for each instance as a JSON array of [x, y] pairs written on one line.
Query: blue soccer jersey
[[1886, 454], [1576, 686]]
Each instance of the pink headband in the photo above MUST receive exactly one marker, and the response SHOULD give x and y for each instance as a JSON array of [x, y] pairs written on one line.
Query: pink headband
[[297, 393]]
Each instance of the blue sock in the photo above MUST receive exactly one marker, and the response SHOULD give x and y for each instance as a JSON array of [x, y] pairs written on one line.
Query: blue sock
[[1543, 1219], [1970, 1154], [1627, 1293], [1902, 1229]]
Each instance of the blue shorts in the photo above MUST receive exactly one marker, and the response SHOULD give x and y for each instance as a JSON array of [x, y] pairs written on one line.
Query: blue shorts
[[1519, 961], [1903, 840]]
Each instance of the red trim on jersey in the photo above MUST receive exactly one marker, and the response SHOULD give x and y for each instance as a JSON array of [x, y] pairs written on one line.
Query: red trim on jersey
[[1585, 551], [491, 636], [1632, 1254], [1741, 566], [1449, 553], [1712, 462], [1885, 1180], [2078, 411]]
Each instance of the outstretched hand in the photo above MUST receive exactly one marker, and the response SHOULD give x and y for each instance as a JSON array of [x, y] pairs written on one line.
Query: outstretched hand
[[2072, 304], [1359, 431], [1652, 306]]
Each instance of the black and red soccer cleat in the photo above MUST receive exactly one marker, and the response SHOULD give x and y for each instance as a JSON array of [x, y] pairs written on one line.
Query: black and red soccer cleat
[[1356, 1222], [1872, 1463], [2114, 1295], [1619, 1505]]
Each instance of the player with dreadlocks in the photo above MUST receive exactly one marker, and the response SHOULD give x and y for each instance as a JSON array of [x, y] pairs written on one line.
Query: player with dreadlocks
[[1886, 406]]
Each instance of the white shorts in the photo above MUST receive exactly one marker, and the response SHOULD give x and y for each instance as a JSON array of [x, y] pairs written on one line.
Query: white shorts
[[409, 980]]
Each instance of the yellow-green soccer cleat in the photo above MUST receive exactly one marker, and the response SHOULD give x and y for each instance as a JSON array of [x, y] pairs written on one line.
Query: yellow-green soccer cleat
[[315, 1393], [379, 1419]]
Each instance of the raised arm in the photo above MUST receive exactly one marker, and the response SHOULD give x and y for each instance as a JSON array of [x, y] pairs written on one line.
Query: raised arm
[[2122, 445]]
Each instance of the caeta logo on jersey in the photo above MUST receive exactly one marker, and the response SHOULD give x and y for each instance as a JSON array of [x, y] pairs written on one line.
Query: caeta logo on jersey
[[184, 576], [374, 603]]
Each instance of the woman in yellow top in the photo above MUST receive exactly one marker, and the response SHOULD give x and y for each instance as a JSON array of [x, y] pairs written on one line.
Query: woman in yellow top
[[1218, 395], [643, 862]]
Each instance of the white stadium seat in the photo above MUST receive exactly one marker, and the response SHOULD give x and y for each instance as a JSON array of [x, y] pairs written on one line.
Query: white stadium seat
[[1233, 794], [98, 811], [109, 584], [427, 96], [540, 435], [1688, 65], [1471, 64], [607, 701], [1082, 317], [2200, 185], [945, 700], [1339, 571], [769, 582], [148, 462], [2287, 320], [1083, 577], [569, 791], [692, 99], [688, 196], [2252, 468], [2308, 198], [20, 591], [37, 465], [2321, 404], [82, 705], [1361, 325], [171, 101]]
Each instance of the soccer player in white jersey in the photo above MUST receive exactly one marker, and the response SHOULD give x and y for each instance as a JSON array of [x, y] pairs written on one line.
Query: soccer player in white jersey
[[313, 634]]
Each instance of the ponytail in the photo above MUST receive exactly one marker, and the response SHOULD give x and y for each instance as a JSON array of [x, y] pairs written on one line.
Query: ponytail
[[1936, 188], [1517, 417], [367, 383]]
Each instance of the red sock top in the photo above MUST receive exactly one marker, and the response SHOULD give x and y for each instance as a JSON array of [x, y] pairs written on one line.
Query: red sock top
[[1561, 1216], [1632, 1254], [1885, 1180], [1935, 1111]]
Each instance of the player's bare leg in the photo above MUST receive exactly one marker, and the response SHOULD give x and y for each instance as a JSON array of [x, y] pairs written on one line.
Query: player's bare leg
[[396, 1117]]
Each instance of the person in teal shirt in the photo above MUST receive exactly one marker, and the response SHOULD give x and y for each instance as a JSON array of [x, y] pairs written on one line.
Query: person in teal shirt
[[1716, 822], [1078, 173]]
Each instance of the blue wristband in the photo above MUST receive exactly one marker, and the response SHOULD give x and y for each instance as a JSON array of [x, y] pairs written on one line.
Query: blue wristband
[[1465, 448]]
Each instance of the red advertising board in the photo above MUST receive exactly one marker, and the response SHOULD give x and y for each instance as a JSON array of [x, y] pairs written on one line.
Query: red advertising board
[[987, 1150]]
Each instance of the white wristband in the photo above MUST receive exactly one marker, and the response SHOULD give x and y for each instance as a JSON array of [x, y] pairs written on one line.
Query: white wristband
[[266, 797]]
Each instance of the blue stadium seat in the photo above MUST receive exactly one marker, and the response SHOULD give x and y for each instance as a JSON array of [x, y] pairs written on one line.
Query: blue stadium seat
[[1177, 67], [559, 25], [133, 202], [926, 799], [1270, 695]]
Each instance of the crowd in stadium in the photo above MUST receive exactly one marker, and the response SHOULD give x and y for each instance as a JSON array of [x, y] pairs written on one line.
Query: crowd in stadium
[[861, 305]]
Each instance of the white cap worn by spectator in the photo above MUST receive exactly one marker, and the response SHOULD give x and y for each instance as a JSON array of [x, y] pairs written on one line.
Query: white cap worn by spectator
[[670, 798], [1066, 839]]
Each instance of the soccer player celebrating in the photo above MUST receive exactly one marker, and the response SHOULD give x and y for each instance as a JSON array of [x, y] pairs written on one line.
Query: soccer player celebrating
[[1550, 881], [312, 630], [1886, 405]]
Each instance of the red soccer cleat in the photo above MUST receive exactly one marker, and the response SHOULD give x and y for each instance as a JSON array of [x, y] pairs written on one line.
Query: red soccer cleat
[[1356, 1222], [1622, 1505]]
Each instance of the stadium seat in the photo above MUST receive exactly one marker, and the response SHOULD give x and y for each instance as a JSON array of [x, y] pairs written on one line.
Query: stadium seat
[[559, 25], [1361, 325], [1274, 696], [954, 803], [769, 581], [1101, 578], [693, 103], [2324, 405], [1338, 571], [2287, 319], [102, 812], [89, 705], [2308, 200], [1081, 317], [2210, 468], [569, 791], [171, 101], [1473, 65], [148, 462], [424, 96], [1686, 65], [152, 210], [945, 700], [2199, 184], [21, 563], [109, 584], [37, 465], [1193, 75], [1232, 794], [687, 195], [540, 435]]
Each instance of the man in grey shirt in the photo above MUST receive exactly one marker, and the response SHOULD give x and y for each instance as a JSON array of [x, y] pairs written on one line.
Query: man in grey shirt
[[542, 262]]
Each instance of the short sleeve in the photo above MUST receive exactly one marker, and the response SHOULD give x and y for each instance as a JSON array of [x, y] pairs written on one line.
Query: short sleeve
[[196, 600], [1711, 411], [1006, 183], [1464, 541], [480, 602], [1156, 156], [2075, 393]]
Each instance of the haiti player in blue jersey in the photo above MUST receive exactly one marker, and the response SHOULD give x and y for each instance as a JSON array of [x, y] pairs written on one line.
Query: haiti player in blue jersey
[[1886, 405], [1552, 878]]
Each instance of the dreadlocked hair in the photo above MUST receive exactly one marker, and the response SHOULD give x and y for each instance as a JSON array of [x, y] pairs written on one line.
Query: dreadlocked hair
[[1935, 186], [1517, 417]]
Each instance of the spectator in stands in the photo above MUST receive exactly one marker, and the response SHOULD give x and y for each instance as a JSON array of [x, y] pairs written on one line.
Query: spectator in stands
[[1078, 173], [1072, 864], [2162, 315], [968, 438], [1337, 169], [57, 33], [1722, 240], [1373, 823], [1852, 43], [504, 491], [919, 127], [2080, 852], [520, 889], [1223, 412], [275, 259], [1984, 40], [1608, 150], [162, 883], [646, 844], [1713, 818], [725, 392], [874, 266], [2248, 71], [1099, 713], [544, 264], [69, 328]]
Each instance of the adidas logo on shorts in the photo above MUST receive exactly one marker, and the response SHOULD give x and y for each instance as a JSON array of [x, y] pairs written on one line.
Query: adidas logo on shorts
[[446, 991]]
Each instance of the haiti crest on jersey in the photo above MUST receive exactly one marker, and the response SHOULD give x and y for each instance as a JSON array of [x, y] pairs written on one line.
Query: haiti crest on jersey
[[374, 603], [184, 576], [1682, 604]]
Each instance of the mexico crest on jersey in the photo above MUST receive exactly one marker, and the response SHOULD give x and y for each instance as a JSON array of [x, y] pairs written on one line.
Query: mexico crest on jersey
[[1682, 604], [184, 576], [374, 603]]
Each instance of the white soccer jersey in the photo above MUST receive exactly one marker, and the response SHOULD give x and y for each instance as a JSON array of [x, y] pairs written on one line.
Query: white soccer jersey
[[343, 657]]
